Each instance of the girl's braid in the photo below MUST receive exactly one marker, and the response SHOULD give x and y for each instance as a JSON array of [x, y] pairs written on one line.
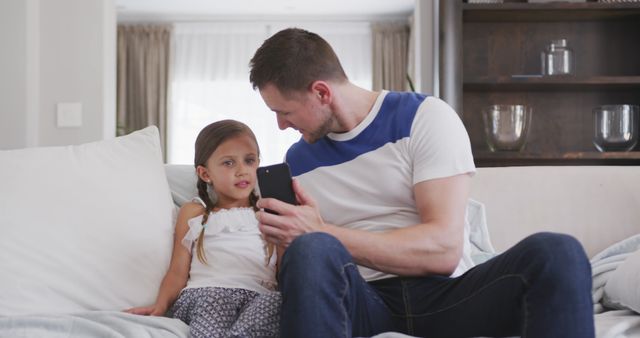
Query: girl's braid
[[204, 196]]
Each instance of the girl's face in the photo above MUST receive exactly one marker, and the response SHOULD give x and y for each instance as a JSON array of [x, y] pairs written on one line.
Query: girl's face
[[232, 170]]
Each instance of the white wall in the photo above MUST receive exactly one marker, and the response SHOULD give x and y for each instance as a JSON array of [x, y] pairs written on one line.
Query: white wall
[[13, 74], [425, 19], [65, 51], [61, 51]]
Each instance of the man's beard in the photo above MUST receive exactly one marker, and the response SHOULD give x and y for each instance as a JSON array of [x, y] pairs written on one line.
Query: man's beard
[[321, 131]]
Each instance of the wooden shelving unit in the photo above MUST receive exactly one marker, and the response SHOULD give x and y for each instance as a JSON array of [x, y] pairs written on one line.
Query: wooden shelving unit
[[553, 11], [540, 83], [497, 159], [500, 49]]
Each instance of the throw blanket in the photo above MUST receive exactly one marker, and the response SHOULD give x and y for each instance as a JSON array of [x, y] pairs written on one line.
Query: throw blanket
[[606, 262], [111, 324], [115, 324]]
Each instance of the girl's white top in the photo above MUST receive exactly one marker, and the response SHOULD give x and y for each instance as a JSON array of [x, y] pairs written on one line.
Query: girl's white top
[[235, 252]]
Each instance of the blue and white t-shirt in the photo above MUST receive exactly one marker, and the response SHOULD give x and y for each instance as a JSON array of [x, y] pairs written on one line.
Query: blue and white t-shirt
[[363, 179]]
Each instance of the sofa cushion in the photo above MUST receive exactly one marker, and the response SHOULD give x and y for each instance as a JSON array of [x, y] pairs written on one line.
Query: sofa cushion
[[182, 182], [596, 204], [622, 290], [86, 227]]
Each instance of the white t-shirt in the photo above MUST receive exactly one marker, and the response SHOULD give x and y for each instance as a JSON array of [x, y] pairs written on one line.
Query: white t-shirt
[[235, 252], [364, 179]]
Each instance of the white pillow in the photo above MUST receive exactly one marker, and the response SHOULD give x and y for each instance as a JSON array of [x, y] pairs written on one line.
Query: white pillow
[[479, 240], [85, 227], [182, 182], [622, 290]]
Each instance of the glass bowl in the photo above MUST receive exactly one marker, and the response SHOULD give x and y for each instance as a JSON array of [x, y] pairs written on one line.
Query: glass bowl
[[616, 127], [506, 126]]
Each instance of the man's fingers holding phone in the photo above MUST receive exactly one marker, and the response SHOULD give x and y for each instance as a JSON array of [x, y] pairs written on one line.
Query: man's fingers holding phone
[[273, 204], [278, 229], [274, 235], [301, 195]]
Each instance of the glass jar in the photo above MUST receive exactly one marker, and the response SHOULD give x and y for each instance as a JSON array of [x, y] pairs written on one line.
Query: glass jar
[[557, 58]]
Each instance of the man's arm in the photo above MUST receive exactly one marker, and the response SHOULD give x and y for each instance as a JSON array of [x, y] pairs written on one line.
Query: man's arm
[[431, 247]]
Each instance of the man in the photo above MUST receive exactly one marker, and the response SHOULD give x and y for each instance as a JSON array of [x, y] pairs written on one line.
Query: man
[[382, 180]]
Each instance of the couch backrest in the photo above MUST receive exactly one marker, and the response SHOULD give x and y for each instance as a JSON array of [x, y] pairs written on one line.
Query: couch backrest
[[599, 205]]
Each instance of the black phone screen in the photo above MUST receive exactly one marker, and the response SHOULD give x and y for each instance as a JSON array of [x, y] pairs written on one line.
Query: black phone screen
[[274, 181]]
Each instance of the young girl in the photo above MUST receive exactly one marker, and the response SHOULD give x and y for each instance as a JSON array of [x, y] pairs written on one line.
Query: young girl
[[230, 280]]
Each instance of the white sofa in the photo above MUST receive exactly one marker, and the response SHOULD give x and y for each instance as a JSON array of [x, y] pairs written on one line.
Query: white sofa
[[86, 231], [599, 205]]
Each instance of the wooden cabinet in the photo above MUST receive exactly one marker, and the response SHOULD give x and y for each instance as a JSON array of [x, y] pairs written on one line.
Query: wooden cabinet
[[501, 47]]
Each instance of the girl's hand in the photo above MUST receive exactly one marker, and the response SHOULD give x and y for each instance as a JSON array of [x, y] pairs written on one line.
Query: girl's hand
[[153, 310]]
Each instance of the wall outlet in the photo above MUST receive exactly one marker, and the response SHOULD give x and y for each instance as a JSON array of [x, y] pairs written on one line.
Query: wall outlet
[[69, 114]]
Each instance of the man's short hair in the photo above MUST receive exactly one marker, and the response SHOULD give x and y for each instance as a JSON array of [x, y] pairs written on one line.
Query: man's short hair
[[293, 59]]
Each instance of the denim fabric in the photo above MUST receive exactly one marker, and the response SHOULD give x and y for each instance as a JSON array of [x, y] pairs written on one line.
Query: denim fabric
[[539, 288]]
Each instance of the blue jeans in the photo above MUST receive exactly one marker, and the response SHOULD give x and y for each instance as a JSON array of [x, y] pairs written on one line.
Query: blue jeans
[[539, 288]]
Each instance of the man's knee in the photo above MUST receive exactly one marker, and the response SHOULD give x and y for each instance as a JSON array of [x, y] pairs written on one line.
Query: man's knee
[[558, 254], [316, 250], [553, 243], [313, 247]]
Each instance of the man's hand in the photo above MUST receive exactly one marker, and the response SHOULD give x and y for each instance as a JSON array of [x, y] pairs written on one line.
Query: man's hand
[[292, 221]]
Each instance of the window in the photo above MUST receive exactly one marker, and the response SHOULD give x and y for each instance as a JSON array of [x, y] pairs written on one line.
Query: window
[[210, 80]]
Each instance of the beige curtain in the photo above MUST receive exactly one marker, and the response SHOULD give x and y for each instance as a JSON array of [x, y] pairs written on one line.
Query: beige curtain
[[143, 70], [390, 55]]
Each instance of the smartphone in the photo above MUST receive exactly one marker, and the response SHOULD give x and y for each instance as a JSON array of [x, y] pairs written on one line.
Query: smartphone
[[274, 181]]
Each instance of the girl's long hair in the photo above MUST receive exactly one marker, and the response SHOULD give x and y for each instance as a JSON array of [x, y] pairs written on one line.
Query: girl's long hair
[[209, 139]]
